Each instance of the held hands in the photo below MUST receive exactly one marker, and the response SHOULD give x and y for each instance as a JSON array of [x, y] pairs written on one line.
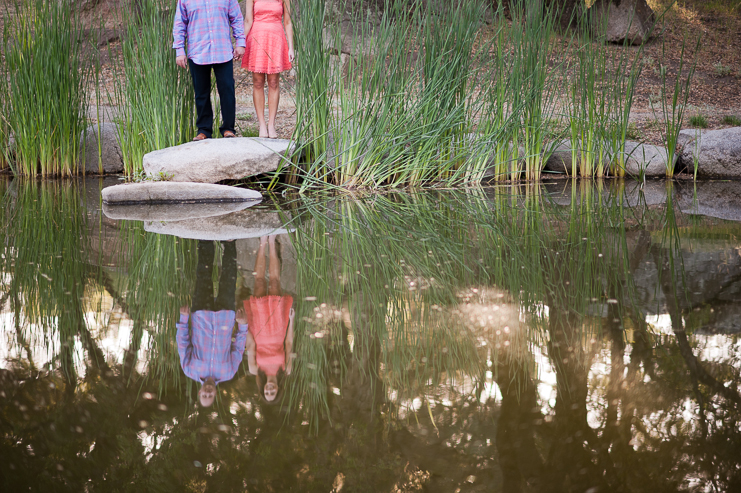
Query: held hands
[[238, 52], [291, 55], [241, 317], [291, 314], [182, 61], [184, 310]]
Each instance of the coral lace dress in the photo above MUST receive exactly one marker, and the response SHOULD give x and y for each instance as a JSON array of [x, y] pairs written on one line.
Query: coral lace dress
[[267, 46], [267, 319]]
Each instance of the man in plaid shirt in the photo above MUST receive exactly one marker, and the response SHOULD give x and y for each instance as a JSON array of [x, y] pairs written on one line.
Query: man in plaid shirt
[[208, 352], [205, 25]]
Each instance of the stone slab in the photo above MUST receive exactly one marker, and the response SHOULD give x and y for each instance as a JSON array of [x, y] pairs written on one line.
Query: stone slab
[[166, 192], [172, 212], [215, 160], [248, 223]]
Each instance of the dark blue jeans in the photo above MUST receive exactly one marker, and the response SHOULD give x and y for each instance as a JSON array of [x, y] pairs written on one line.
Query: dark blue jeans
[[201, 75], [203, 295]]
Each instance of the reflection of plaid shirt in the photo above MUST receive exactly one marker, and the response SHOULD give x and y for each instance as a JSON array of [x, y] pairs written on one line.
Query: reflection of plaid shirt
[[209, 351], [205, 24]]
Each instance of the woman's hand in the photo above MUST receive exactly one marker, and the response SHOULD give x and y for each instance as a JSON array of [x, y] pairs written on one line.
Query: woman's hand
[[291, 55], [241, 316]]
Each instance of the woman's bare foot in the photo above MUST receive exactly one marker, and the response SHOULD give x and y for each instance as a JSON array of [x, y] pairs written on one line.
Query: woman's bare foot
[[263, 134], [264, 240], [272, 132], [271, 238]]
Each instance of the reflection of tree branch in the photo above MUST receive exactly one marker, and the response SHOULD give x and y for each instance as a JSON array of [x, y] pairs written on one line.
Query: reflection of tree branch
[[697, 371]]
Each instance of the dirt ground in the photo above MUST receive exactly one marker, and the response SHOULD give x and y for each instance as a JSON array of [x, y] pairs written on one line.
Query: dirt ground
[[716, 86]]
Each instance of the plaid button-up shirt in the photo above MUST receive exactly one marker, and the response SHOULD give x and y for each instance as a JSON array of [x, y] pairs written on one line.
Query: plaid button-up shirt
[[207, 350], [205, 25]]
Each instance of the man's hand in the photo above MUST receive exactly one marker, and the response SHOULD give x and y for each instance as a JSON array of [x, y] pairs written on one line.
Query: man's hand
[[241, 317], [182, 61], [184, 310], [291, 55], [238, 52]]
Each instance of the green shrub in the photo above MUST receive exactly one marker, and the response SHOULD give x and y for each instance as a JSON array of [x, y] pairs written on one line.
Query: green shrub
[[732, 120], [699, 121]]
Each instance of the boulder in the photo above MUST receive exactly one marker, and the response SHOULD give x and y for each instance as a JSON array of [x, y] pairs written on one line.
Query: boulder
[[247, 223], [172, 212], [648, 158], [630, 20], [718, 152], [110, 148], [165, 192], [560, 159], [214, 160]]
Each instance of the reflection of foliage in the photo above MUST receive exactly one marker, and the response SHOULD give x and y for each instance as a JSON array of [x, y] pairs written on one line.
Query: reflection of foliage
[[406, 378]]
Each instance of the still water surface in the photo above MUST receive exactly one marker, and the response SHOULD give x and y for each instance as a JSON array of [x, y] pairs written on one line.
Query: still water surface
[[556, 338]]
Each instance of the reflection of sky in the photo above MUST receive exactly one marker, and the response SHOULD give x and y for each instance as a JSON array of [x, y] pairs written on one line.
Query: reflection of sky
[[110, 328]]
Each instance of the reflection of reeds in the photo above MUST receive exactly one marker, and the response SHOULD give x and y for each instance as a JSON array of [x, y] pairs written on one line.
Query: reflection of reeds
[[45, 104], [46, 263], [159, 281], [414, 270]]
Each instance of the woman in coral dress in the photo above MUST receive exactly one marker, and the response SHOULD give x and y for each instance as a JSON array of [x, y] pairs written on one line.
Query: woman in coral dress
[[269, 52], [269, 316]]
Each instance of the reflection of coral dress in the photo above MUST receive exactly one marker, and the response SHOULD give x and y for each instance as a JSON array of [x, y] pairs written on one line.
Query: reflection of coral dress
[[267, 46], [267, 320]]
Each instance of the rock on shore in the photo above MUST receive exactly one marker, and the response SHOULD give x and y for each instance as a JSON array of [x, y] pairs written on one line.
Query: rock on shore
[[215, 160]]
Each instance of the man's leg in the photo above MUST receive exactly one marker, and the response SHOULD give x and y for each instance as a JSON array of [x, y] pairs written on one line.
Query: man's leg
[[228, 279], [224, 73], [203, 294], [201, 75]]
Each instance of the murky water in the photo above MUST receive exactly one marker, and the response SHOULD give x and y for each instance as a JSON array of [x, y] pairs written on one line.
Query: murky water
[[551, 338]]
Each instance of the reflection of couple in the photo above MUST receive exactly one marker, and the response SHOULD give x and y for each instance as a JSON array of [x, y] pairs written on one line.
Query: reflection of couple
[[209, 351]]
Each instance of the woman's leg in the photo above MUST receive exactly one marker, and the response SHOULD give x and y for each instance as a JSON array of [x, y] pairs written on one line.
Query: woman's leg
[[261, 288], [258, 98], [273, 102], [274, 269]]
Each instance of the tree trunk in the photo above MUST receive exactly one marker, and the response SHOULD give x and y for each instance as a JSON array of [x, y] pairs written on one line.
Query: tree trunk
[[623, 20]]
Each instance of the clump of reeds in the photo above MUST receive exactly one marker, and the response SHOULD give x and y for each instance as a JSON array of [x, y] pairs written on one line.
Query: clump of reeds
[[156, 102], [47, 69]]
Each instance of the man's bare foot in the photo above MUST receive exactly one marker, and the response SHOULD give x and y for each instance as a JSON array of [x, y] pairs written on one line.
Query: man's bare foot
[[263, 132], [272, 132]]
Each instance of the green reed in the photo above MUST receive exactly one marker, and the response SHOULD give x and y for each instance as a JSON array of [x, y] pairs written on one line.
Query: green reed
[[674, 99], [47, 66], [156, 102]]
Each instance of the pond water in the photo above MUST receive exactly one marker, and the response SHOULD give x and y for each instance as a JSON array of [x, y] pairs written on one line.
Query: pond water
[[559, 337]]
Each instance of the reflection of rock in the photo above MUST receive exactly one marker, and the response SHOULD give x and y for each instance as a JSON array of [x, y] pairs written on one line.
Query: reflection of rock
[[106, 246], [650, 192], [214, 160], [714, 199], [172, 212], [165, 192], [710, 274], [247, 223]]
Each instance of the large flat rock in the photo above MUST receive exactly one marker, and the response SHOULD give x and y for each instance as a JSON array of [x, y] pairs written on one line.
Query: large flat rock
[[240, 225], [172, 212], [165, 192], [215, 160]]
